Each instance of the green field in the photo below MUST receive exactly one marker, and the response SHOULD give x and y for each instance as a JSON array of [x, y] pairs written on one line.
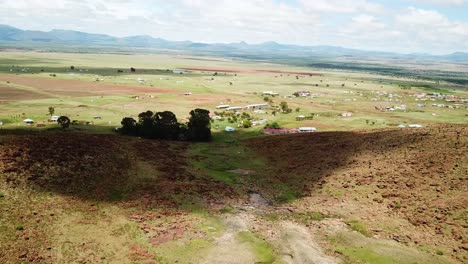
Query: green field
[[334, 91]]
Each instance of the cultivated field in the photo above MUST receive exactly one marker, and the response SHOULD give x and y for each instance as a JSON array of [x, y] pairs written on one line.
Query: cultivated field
[[360, 190]]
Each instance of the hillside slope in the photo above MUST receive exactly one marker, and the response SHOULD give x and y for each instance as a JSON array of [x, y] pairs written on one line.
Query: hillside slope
[[382, 196], [406, 185]]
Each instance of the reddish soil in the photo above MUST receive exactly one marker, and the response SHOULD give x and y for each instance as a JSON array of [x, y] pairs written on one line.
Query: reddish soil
[[227, 70], [11, 94], [417, 174], [77, 88]]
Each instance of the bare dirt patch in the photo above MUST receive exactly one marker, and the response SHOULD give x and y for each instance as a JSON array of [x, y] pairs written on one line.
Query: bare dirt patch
[[78, 88]]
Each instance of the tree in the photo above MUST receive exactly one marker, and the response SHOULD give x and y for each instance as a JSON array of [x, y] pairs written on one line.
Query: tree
[[165, 125], [199, 126], [145, 124], [247, 124], [64, 121], [284, 106], [72, 68], [132, 69], [298, 109], [129, 126], [51, 110]]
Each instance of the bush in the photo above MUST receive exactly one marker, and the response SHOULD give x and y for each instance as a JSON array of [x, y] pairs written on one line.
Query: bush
[[247, 124], [64, 122], [273, 125]]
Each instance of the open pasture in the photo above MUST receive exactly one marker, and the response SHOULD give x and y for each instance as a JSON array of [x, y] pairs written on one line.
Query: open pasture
[[103, 86]]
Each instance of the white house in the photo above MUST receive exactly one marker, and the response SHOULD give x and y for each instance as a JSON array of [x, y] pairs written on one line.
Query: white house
[[415, 126], [28, 121], [54, 118], [234, 108], [257, 106], [307, 129], [222, 106], [347, 114]]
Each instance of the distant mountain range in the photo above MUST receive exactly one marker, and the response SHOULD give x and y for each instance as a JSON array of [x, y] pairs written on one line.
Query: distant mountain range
[[10, 36]]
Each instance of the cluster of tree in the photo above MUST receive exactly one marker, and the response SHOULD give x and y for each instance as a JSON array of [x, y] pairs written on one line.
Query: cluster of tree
[[243, 120], [164, 125], [273, 125]]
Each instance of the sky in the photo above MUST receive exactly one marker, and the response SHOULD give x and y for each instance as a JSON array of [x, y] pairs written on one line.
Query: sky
[[413, 26]]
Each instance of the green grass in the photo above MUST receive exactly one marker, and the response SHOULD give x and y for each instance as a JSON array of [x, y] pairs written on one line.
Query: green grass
[[263, 251], [359, 227], [364, 255]]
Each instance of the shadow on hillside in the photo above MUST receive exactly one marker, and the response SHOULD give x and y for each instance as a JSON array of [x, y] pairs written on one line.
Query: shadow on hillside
[[301, 163], [157, 174]]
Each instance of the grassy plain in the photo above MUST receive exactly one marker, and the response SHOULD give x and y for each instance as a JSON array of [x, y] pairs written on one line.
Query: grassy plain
[[95, 88]]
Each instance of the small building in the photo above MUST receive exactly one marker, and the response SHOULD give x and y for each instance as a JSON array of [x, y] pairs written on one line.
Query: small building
[[54, 119], [234, 108], [307, 129], [28, 121], [415, 126], [222, 106], [302, 93], [401, 126], [179, 71], [300, 118], [257, 106], [347, 114], [188, 93]]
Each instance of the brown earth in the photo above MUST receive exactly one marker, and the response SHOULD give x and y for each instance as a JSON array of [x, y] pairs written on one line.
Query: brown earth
[[45, 177], [419, 175], [74, 87]]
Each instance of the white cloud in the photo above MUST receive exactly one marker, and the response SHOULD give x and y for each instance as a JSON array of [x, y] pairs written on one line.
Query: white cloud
[[352, 23]]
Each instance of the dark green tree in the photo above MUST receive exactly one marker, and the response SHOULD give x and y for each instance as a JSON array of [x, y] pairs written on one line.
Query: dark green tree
[[199, 126], [64, 121], [129, 126], [166, 125], [145, 124]]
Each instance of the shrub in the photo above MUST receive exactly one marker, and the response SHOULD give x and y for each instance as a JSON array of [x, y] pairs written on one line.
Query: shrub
[[64, 122]]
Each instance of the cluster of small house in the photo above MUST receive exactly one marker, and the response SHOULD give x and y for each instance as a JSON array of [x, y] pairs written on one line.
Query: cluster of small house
[[439, 96]]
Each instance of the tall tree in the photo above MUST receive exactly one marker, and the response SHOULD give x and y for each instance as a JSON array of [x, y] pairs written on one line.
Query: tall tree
[[166, 125], [51, 110], [199, 125]]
